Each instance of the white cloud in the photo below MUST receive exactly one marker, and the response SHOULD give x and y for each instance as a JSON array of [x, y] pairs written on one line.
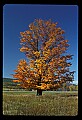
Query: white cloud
[[75, 82]]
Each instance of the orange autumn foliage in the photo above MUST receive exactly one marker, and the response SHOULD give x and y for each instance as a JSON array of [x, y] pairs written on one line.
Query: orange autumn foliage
[[44, 46]]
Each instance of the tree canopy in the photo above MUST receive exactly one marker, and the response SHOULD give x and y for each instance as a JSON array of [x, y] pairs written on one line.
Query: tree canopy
[[45, 48]]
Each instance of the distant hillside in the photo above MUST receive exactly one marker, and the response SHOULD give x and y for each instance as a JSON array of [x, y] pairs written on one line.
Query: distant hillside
[[7, 79], [9, 84]]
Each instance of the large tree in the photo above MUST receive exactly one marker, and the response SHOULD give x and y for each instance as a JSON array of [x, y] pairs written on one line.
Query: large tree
[[45, 48]]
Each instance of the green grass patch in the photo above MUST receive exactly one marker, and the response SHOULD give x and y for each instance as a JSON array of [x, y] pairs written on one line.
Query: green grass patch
[[51, 103]]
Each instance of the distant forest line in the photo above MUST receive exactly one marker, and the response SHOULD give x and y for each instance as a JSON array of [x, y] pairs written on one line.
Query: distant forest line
[[8, 84]]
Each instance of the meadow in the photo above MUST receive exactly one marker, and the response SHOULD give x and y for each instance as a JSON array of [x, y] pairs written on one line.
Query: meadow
[[51, 103]]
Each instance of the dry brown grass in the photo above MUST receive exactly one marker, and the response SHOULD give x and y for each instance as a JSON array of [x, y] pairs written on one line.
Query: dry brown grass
[[49, 104]]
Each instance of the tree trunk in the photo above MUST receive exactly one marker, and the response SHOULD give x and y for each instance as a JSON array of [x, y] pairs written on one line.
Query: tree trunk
[[39, 92]]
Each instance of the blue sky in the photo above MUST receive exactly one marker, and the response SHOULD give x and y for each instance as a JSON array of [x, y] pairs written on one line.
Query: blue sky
[[17, 17]]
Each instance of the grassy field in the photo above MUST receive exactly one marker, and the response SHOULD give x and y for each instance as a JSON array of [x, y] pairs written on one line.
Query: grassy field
[[49, 104]]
